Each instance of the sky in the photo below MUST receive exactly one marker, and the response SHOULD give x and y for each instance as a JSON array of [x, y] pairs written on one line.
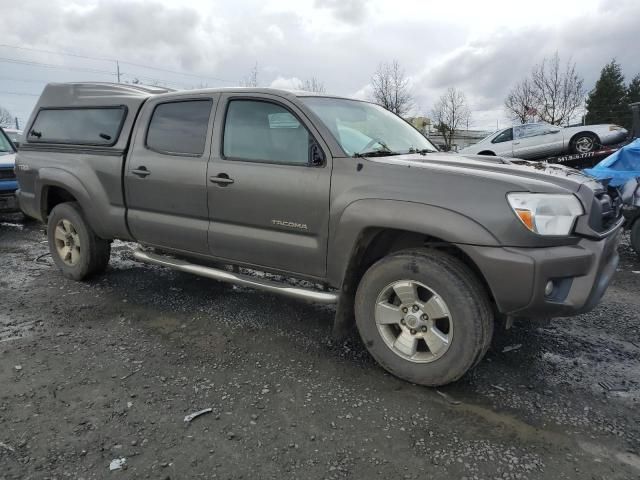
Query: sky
[[482, 48]]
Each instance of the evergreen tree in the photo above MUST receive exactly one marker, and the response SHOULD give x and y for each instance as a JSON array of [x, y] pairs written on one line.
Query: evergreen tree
[[633, 91], [607, 102]]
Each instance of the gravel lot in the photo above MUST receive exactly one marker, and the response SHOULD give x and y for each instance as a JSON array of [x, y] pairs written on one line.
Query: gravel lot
[[104, 370]]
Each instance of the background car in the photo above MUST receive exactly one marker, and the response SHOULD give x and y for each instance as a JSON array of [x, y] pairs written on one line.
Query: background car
[[14, 135], [8, 181], [540, 140]]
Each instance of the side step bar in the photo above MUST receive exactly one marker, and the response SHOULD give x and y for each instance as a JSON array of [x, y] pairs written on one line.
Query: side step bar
[[235, 278]]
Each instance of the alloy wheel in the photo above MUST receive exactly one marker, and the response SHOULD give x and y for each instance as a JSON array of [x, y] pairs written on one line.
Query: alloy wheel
[[414, 321]]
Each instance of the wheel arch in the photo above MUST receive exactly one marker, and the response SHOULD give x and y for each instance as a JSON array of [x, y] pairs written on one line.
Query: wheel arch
[[57, 186], [378, 228], [583, 132]]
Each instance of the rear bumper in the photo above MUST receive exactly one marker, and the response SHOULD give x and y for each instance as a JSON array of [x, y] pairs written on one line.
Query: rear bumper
[[8, 202], [580, 274]]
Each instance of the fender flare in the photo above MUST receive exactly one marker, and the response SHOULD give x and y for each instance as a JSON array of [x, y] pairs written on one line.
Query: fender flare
[[56, 177], [363, 216]]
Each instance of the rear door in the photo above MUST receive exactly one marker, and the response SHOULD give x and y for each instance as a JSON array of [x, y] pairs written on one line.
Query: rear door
[[536, 140], [166, 173], [269, 181]]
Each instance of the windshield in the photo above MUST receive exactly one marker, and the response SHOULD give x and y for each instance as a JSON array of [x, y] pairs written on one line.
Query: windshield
[[365, 128], [5, 144]]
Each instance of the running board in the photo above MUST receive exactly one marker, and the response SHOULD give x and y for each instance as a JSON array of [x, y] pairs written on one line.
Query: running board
[[236, 278]]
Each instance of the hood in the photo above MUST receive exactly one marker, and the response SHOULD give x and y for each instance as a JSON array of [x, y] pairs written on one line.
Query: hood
[[484, 165], [8, 160]]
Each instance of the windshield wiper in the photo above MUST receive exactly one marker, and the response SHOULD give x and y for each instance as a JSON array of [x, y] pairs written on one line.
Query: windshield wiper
[[422, 151], [376, 153]]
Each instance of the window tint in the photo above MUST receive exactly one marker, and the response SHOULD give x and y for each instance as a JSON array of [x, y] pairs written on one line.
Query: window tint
[[85, 126], [266, 132], [179, 127], [505, 136]]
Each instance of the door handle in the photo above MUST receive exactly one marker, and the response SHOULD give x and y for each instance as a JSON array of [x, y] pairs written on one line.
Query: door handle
[[141, 171], [222, 179], [516, 143]]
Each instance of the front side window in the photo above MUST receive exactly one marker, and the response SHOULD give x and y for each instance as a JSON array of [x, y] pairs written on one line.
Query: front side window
[[79, 126], [179, 128], [362, 127], [504, 136], [263, 131]]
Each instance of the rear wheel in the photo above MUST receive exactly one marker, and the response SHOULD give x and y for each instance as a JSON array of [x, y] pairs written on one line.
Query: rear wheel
[[487, 152], [635, 236], [424, 316], [584, 143], [75, 248]]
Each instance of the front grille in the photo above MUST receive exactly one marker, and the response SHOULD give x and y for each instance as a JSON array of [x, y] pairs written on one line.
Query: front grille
[[7, 174], [606, 210]]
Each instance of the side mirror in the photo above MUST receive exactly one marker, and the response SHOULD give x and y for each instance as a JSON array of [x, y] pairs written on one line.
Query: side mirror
[[316, 155]]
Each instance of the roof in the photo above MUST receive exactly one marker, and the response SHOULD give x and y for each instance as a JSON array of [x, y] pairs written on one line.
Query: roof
[[91, 91]]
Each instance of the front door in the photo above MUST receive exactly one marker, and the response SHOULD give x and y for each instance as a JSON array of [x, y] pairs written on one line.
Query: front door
[[166, 173], [269, 181]]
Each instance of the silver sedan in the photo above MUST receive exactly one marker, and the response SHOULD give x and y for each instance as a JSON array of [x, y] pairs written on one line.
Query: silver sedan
[[539, 140]]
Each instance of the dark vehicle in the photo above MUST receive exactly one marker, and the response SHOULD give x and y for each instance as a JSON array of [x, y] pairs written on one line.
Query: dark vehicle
[[8, 182], [425, 249]]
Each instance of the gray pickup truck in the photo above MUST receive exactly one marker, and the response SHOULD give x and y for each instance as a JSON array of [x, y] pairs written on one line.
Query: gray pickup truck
[[424, 251]]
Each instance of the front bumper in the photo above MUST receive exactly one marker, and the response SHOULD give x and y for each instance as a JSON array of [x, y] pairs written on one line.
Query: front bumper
[[517, 277], [8, 203]]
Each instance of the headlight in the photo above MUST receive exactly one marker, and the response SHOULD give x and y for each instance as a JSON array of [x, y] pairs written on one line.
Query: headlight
[[545, 213], [613, 128]]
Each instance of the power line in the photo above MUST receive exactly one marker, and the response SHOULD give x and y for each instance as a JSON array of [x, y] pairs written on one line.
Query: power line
[[51, 65], [115, 60], [19, 93]]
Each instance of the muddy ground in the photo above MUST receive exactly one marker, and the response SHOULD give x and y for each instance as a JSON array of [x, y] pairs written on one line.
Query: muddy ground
[[108, 369]]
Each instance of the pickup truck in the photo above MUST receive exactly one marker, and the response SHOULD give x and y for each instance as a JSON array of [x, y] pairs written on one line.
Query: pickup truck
[[423, 251]]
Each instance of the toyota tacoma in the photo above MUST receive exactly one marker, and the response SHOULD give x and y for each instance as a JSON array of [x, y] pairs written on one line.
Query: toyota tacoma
[[423, 251]]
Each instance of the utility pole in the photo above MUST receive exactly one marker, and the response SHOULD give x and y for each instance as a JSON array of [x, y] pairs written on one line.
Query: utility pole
[[118, 70], [17, 124]]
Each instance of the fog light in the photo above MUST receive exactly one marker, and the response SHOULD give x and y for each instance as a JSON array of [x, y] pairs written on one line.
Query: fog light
[[548, 289]]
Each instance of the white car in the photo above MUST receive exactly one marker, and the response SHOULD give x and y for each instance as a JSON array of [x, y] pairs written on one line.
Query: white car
[[540, 140], [14, 135]]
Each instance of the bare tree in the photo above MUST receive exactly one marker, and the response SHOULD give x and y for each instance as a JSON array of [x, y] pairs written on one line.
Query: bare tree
[[552, 93], [521, 102], [6, 118], [312, 85], [391, 88], [559, 90], [450, 113], [252, 79]]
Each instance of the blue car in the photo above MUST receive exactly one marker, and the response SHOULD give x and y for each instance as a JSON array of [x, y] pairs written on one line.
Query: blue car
[[8, 181]]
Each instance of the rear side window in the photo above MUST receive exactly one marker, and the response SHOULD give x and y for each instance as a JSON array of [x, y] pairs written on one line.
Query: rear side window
[[79, 126], [264, 132], [179, 128]]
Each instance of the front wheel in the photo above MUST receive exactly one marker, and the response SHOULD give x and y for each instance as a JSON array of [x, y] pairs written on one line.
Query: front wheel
[[424, 316], [76, 249]]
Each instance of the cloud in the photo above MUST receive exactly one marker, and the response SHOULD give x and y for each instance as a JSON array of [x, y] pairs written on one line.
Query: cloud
[[292, 83], [347, 11], [340, 42]]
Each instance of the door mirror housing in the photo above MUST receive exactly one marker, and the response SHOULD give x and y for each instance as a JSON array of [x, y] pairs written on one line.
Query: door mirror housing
[[316, 155]]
